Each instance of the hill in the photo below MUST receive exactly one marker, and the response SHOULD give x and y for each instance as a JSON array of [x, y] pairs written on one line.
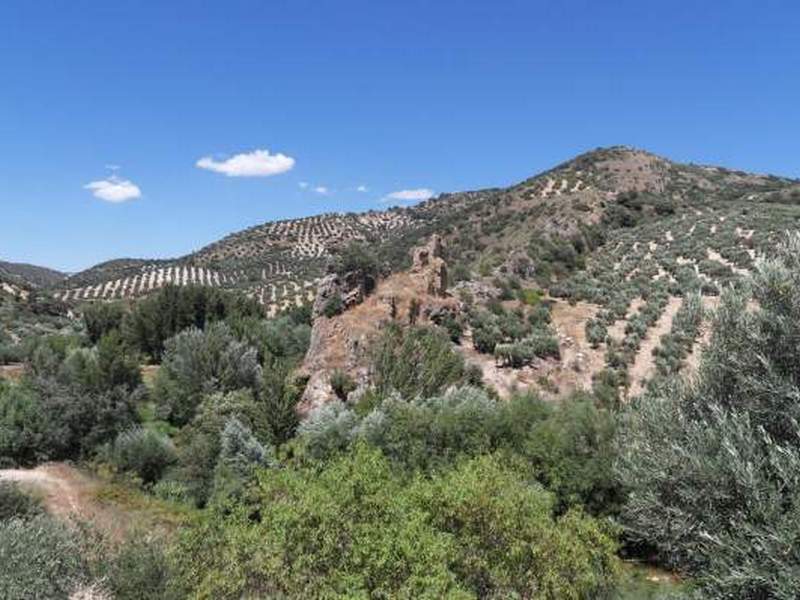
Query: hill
[[25, 275], [552, 220]]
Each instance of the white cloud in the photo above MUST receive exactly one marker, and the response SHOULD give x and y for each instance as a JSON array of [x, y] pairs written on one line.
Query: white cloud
[[415, 195], [362, 188], [258, 163], [321, 189], [114, 189], [303, 185]]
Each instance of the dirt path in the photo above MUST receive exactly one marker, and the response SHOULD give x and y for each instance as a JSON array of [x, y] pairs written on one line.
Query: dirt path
[[69, 494], [579, 361], [710, 303], [13, 371], [714, 255], [643, 366]]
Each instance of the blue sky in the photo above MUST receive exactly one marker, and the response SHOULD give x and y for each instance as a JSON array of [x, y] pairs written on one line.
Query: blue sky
[[391, 96]]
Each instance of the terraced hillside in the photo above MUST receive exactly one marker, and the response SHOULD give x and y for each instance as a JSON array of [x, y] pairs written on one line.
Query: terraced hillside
[[278, 263], [545, 227]]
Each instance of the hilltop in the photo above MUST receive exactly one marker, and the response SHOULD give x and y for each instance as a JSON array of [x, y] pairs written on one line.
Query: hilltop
[[571, 205]]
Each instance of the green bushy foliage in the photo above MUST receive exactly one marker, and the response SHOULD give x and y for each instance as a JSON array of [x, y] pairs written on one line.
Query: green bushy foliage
[[596, 332], [357, 528], [328, 430], [240, 455], [538, 344], [279, 394], [713, 468], [14, 503], [101, 318], [197, 363], [415, 361], [41, 558], [137, 568], [511, 335], [507, 541], [333, 307], [164, 314], [569, 448], [282, 337], [199, 441], [144, 452], [46, 420], [342, 384], [356, 257]]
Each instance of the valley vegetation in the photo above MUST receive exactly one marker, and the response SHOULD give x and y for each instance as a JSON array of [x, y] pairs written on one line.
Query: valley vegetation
[[422, 480]]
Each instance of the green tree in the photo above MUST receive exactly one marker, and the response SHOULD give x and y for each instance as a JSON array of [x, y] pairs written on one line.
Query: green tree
[[713, 467], [197, 363]]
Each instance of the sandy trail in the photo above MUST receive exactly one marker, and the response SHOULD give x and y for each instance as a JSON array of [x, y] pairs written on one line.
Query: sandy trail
[[579, 361], [644, 366], [68, 494], [13, 371], [692, 362]]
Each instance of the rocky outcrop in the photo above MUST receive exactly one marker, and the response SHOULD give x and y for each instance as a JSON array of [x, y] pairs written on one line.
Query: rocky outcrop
[[350, 289], [341, 342], [429, 263]]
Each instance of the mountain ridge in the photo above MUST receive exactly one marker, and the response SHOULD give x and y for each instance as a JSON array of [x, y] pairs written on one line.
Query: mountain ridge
[[280, 262]]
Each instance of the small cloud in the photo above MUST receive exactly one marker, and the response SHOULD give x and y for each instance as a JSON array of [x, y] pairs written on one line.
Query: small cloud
[[362, 189], [258, 163], [113, 167], [416, 195], [303, 185], [113, 189], [321, 189]]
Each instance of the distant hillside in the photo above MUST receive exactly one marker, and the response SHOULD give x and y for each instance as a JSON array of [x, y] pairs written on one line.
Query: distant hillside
[[30, 275], [552, 221]]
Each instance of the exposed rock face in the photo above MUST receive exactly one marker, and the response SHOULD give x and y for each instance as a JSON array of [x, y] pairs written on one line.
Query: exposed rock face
[[430, 264], [351, 288], [342, 342], [479, 290]]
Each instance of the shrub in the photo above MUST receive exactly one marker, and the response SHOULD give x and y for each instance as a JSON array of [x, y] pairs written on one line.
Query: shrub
[[596, 332], [102, 318], [415, 361], [138, 568], [143, 451], [281, 338], [197, 363], [199, 442], [240, 453], [342, 384], [279, 395], [334, 306], [170, 310], [357, 528], [328, 430], [48, 421], [713, 467], [507, 542], [14, 503], [529, 296], [41, 558], [356, 257]]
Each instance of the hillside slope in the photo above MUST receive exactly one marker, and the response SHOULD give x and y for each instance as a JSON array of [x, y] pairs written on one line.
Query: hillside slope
[[25, 275], [551, 219]]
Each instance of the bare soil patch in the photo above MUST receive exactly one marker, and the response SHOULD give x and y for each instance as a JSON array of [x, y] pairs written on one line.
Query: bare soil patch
[[69, 494], [643, 366], [12, 372]]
